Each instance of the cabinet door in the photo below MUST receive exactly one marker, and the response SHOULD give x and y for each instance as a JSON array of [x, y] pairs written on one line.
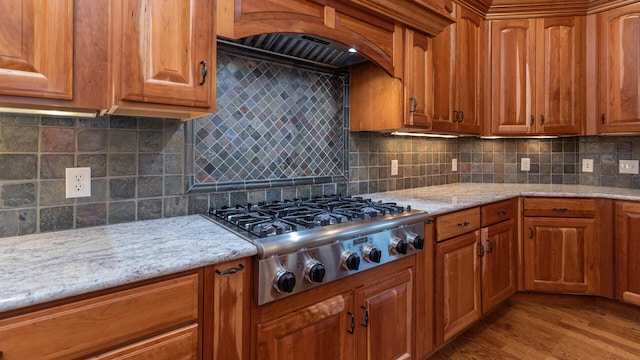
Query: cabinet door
[[512, 76], [560, 255], [619, 65], [36, 48], [162, 48], [498, 264], [627, 245], [385, 320], [444, 113], [317, 332], [226, 312], [417, 76], [181, 344], [470, 28], [457, 285], [560, 75]]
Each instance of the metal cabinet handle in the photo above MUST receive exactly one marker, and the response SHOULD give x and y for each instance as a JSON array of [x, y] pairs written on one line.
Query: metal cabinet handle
[[481, 250], [502, 213], [461, 116], [533, 120], [230, 271], [366, 317], [490, 249], [456, 115], [560, 209], [602, 118], [530, 232], [353, 323], [204, 71], [541, 119], [414, 105], [464, 224]]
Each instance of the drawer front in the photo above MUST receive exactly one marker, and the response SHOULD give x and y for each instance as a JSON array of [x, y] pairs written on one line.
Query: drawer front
[[457, 223], [181, 344], [90, 326], [560, 207], [497, 212]]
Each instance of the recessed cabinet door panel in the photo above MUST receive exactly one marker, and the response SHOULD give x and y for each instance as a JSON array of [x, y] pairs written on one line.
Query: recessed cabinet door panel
[[36, 48], [419, 62], [560, 75], [164, 45], [627, 244], [498, 264], [560, 255], [469, 31], [619, 32], [513, 46]]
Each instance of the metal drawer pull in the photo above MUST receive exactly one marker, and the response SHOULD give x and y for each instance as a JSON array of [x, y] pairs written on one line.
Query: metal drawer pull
[[366, 317], [481, 250], [530, 233], [490, 249], [560, 209], [353, 323], [230, 271], [461, 116], [502, 213], [415, 105], [466, 223]]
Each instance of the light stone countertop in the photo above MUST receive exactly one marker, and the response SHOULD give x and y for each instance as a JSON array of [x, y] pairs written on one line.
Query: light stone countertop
[[49, 266], [447, 198]]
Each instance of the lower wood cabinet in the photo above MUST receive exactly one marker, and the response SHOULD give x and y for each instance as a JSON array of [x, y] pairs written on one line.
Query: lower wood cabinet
[[627, 245], [160, 320], [373, 321], [498, 263]]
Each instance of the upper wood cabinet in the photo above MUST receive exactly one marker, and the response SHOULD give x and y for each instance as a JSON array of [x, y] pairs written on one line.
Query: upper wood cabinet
[[36, 53], [163, 57], [417, 80], [619, 69], [538, 71], [457, 94]]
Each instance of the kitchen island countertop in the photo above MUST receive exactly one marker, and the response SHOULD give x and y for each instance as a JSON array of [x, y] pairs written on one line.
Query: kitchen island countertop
[[50, 266], [43, 267]]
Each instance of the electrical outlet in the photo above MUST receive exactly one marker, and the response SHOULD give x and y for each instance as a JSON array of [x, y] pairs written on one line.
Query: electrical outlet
[[454, 165], [587, 165], [78, 182], [394, 167], [525, 164], [628, 166]]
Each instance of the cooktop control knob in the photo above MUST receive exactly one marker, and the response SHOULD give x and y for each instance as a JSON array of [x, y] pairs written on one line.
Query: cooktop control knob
[[350, 260], [416, 241], [398, 245], [372, 254], [285, 281], [314, 271]]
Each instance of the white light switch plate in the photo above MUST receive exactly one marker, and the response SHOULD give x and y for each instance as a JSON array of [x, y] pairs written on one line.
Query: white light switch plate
[[454, 165], [394, 167], [587, 165], [628, 166], [525, 164]]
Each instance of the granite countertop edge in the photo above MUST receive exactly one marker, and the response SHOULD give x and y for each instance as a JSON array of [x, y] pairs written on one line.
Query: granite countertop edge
[[85, 260]]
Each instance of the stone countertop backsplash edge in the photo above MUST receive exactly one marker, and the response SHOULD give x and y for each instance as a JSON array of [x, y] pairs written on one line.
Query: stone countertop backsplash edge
[[49, 266]]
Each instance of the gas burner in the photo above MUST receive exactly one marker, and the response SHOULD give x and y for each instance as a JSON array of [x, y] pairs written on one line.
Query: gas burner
[[271, 228]]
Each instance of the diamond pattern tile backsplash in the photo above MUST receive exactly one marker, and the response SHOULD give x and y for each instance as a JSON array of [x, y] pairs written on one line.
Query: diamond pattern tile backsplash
[[272, 121]]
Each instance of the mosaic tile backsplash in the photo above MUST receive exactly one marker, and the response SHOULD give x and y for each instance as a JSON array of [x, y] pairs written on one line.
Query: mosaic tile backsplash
[[272, 121]]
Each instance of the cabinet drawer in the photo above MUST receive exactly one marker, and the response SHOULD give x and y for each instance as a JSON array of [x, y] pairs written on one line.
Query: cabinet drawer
[[89, 326], [497, 212], [460, 222], [178, 344], [560, 207]]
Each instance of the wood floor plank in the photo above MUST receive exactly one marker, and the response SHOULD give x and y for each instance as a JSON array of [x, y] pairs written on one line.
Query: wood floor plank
[[533, 330]]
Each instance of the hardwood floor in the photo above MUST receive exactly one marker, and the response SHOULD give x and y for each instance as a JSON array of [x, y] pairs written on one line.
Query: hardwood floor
[[531, 330]]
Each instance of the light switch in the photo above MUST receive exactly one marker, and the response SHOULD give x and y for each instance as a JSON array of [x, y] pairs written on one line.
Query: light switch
[[525, 164]]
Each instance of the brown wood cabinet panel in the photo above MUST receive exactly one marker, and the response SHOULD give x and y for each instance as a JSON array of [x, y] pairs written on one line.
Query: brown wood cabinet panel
[[425, 296], [227, 300], [498, 263], [459, 222], [560, 255], [458, 302], [512, 69], [619, 68], [627, 245], [560, 75], [319, 331], [499, 211], [90, 326], [160, 50], [385, 319], [181, 344], [36, 52], [560, 207], [418, 79]]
